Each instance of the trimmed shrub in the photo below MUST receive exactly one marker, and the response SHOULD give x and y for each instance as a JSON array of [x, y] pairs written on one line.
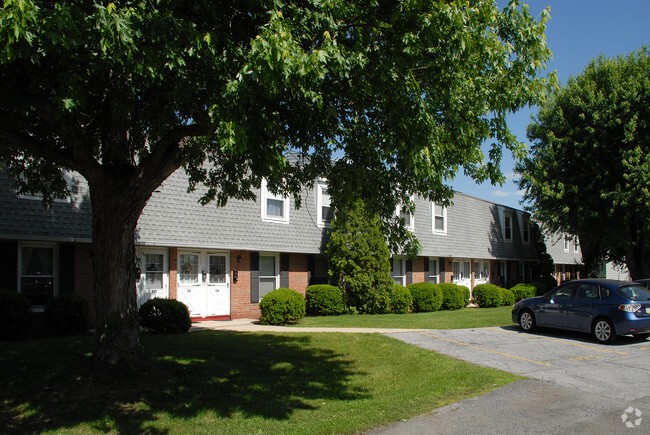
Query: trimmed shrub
[[167, 316], [487, 295], [400, 299], [426, 297], [507, 297], [324, 300], [523, 291], [544, 285], [466, 295], [282, 306], [67, 314], [453, 296], [15, 315]]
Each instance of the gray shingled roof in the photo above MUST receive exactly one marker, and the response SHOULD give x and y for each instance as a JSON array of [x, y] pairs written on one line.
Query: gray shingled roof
[[473, 231], [173, 217], [555, 248], [25, 218]]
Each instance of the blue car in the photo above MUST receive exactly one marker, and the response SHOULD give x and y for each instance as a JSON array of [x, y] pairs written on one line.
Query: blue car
[[604, 308]]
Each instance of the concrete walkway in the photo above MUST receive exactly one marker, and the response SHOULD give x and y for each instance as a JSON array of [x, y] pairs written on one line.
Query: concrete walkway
[[254, 325]]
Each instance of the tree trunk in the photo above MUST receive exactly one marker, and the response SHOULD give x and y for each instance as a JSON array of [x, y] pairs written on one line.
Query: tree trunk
[[116, 210], [637, 258]]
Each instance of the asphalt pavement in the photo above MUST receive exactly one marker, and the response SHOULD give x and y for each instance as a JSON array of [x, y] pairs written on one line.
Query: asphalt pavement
[[576, 386]]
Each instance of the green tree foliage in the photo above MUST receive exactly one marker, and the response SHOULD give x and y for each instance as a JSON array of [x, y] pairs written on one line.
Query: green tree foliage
[[359, 259], [589, 169], [125, 93]]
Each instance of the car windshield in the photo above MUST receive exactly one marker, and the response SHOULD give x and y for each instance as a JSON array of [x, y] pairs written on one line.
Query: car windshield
[[634, 292]]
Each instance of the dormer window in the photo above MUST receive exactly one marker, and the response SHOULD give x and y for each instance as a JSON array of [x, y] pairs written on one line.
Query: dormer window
[[275, 207], [526, 231], [507, 227], [402, 213], [323, 205], [439, 213]]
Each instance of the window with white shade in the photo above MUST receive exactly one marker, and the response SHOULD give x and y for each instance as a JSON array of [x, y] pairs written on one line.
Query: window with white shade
[[275, 207], [439, 213]]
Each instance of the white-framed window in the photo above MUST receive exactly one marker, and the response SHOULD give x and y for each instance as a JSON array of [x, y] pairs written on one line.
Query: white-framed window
[[567, 243], [275, 208], [216, 269], [68, 176], [188, 268], [439, 218], [154, 274], [324, 211], [434, 270], [525, 231], [398, 270], [269, 273], [576, 246], [37, 277], [462, 270], [409, 222], [502, 270], [481, 270], [507, 227]]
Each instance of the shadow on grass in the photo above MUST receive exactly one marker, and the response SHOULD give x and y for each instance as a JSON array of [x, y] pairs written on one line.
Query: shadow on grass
[[50, 384]]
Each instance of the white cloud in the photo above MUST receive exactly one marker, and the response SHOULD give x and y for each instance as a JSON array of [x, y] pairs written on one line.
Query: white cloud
[[504, 193]]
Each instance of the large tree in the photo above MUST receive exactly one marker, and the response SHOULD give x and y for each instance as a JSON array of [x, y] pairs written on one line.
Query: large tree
[[588, 172], [126, 92]]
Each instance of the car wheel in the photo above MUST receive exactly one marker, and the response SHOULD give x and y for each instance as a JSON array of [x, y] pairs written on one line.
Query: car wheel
[[527, 320], [603, 331]]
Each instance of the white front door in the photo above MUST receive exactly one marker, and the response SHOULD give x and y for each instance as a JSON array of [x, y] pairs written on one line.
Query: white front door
[[204, 282], [154, 275]]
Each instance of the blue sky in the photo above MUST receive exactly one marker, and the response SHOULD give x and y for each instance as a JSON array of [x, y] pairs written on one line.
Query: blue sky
[[578, 31]]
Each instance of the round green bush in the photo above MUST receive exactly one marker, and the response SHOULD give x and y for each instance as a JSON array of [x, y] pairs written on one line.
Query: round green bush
[[487, 295], [400, 299], [324, 300], [15, 315], [167, 316], [282, 306], [426, 297], [523, 291], [466, 294], [67, 314], [453, 296], [507, 297]]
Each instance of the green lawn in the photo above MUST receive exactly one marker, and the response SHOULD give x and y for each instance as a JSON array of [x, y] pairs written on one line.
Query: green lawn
[[230, 382], [465, 318]]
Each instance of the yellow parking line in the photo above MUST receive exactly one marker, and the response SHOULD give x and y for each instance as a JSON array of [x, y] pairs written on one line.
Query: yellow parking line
[[563, 341], [487, 350]]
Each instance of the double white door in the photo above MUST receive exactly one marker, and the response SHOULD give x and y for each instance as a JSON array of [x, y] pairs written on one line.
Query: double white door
[[204, 282]]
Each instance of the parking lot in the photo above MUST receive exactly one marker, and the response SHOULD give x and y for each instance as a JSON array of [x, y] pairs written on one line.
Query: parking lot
[[619, 371], [577, 385]]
